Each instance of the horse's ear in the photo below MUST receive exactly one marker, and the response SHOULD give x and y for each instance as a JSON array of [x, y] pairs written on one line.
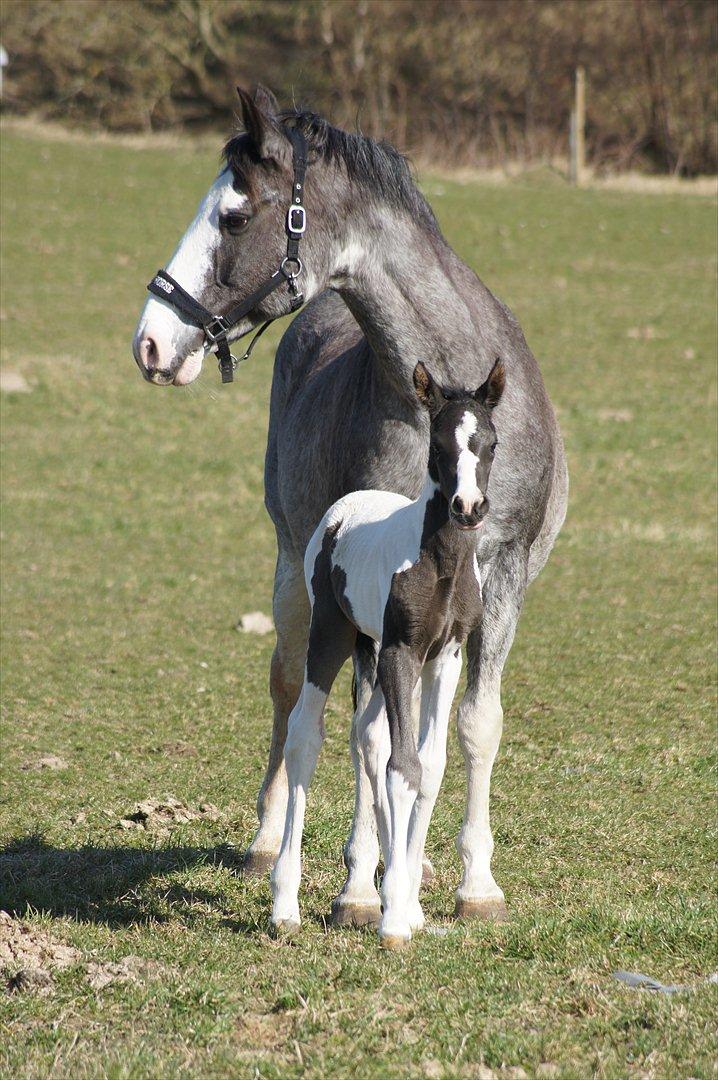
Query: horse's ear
[[265, 100], [269, 140], [428, 393], [489, 393]]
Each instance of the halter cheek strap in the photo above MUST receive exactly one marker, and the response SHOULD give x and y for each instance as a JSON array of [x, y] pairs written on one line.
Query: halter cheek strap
[[217, 327]]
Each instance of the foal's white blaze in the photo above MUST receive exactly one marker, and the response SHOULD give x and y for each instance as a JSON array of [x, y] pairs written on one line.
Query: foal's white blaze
[[190, 266], [466, 487]]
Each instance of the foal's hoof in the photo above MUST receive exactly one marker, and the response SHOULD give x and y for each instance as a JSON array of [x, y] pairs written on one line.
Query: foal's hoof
[[257, 863], [428, 873], [284, 928], [352, 914], [394, 942], [490, 909]]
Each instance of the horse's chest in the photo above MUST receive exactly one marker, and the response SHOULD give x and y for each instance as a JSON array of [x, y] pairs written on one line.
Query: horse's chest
[[432, 605]]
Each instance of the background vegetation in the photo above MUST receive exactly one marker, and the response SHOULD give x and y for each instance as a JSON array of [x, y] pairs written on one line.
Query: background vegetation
[[464, 81], [134, 535]]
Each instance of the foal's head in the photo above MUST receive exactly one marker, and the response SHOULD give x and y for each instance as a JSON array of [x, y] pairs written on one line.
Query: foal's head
[[462, 442]]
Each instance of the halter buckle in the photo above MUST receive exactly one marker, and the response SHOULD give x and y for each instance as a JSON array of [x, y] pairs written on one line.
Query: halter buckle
[[296, 219], [217, 328]]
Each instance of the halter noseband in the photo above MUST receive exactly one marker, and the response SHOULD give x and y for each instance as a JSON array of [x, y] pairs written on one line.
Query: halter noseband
[[217, 327]]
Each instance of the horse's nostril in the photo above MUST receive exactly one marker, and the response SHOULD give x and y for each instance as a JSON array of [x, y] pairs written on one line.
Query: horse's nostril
[[456, 505], [149, 353]]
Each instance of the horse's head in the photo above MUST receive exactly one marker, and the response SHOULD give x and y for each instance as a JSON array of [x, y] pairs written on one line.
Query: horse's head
[[234, 245], [462, 442]]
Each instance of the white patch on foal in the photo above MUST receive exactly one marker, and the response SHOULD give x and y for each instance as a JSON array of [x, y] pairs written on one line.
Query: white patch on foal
[[466, 487]]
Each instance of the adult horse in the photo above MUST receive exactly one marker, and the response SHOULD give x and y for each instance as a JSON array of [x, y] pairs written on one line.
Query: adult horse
[[385, 290]]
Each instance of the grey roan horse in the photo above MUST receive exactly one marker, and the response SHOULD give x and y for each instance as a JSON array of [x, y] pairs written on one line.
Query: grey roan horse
[[385, 292]]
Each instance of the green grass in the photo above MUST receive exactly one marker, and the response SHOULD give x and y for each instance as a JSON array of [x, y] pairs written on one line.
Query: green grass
[[134, 535]]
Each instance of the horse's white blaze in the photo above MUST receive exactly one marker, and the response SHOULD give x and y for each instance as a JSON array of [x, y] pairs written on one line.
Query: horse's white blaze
[[466, 487], [190, 266]]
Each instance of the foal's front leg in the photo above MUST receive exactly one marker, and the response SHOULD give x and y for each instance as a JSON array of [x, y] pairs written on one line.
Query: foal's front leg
[[439, 680], [398, 672]]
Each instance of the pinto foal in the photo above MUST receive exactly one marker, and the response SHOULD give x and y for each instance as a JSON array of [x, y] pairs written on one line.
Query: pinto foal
[[397, 584]]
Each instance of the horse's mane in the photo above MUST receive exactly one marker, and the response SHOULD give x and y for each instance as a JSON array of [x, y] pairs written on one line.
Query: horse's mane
[[377, 166]]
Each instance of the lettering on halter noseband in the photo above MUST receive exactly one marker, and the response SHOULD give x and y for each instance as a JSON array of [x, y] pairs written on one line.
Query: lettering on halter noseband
[[217, 327]]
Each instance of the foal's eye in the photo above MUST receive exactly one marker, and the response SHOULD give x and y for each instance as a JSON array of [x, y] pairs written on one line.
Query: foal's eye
[[493, 448], [234, 222]]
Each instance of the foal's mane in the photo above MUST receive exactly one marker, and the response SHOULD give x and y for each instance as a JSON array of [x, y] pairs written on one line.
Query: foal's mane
[[376, 166]]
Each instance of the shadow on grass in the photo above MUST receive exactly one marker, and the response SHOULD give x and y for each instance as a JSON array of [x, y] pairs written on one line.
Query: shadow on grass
[[105, 884]]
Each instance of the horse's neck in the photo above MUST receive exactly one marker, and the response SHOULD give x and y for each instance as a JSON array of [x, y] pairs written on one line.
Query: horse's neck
[[411, 294]]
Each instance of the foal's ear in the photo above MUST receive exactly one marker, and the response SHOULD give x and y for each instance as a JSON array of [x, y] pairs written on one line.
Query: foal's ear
[[489, 393], [257, 119], [428, 393]]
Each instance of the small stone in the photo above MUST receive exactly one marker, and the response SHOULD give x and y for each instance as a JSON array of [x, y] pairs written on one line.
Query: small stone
[[548, 1069], [12, 382], [515, 1072], [689, 354], [432, 1069], [255, 622], [78, 818], [483, 1072]]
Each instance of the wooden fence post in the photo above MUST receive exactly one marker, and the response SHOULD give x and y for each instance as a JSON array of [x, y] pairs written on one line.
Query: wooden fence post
[[577, 132]]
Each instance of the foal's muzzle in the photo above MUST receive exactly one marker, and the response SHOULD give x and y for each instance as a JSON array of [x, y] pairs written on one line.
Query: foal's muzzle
[[465, 516]]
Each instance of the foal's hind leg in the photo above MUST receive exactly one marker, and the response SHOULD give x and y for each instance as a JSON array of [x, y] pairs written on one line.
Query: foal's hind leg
[[291, 619], [358, 902], [480, 722]]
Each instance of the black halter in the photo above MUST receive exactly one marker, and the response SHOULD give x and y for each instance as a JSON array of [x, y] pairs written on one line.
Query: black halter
[[216, 327]]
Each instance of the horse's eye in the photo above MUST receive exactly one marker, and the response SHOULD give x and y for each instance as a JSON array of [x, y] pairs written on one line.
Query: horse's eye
[[234, 222], [493, 448]]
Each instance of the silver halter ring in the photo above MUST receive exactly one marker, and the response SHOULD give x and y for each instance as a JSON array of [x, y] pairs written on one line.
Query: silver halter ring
[[291, 275]]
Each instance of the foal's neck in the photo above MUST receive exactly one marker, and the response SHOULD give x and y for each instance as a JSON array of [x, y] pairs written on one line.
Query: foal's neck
[[436, 530], [411, 294]]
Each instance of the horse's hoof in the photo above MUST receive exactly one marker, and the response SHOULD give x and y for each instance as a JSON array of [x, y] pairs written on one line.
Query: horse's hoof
[[257, 863], [284, 928], [393, 942], [428, 874], [489, 909], [352, 914]]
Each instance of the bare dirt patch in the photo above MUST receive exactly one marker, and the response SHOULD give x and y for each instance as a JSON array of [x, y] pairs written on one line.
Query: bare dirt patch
[[177, 748], [47, 761], [28, 956], [129, 969], [157, 814]]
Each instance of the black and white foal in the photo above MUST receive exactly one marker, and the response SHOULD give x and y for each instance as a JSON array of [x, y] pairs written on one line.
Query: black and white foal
[[397, 583]]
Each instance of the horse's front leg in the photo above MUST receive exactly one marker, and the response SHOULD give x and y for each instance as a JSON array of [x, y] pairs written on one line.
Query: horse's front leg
[[305, 734], [398, 671], [439, 680], [291, 620], [480, 723]]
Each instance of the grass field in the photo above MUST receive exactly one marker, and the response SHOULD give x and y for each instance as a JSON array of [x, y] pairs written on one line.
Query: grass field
[[134, 536]]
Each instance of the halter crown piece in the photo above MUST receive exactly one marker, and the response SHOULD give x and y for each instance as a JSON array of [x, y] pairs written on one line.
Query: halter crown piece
[[217, 327]]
